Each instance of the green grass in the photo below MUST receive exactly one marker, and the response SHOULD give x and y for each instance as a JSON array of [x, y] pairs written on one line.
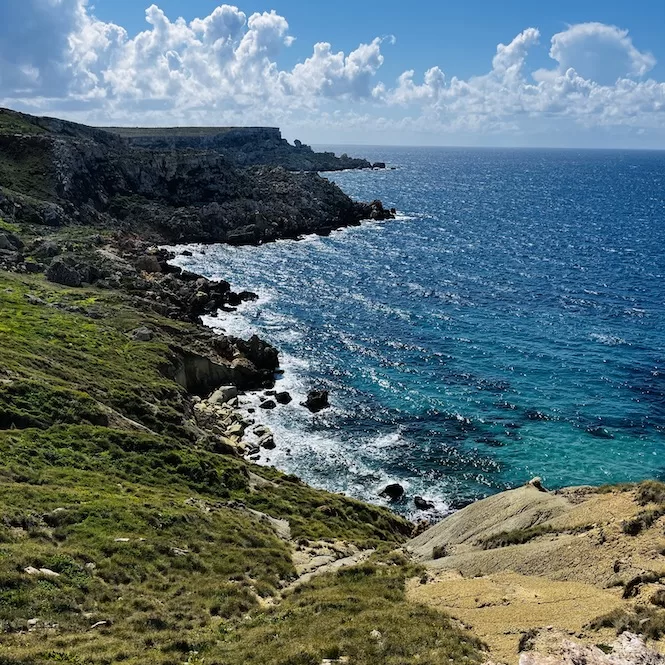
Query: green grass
[[12, 122], [360, 613], [60, 349], [643, 520], [197, 562], [8, 226], [651, 491], [515, 537], [522, 536]]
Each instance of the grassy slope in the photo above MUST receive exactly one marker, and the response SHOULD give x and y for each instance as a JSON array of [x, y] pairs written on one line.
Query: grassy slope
[[188, 568]]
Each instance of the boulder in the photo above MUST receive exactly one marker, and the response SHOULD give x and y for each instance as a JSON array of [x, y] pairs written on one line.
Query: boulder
[[267, 441], [46, 249], [537, 482], [317, 400], [148, 263], [6, 242], [224, 446], [261, 430], [379, 165], [268, 404], [283, 398], [142, 334], [237, 429], [223, 395], [422, 504], [60, 273], [392, 492], [263, 355]]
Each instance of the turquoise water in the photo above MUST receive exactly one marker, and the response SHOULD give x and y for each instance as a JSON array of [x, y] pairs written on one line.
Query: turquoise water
[[510, 323]]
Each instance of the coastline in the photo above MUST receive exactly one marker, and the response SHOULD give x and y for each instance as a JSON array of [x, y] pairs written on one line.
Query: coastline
[[135, 530]]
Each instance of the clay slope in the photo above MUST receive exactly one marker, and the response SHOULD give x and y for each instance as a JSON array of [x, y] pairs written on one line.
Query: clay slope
[[585, 561]]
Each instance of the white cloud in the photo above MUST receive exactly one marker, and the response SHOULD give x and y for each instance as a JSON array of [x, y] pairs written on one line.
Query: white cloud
[[599, 52], [335, 75], [57, 57]]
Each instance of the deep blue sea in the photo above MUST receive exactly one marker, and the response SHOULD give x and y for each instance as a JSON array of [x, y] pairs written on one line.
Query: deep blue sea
[[510, 323]]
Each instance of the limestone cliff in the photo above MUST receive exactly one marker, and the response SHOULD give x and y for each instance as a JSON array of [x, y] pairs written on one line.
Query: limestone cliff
[[245, 146], [59, 173]]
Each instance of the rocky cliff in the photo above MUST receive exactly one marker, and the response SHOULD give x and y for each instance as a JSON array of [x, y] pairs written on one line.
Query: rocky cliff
[[245, 146], [59, 173]]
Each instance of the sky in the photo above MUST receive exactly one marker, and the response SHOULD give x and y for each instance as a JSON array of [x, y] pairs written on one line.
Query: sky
[[560, 73]]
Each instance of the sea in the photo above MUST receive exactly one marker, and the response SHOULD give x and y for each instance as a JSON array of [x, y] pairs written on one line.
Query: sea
[[509, 323]]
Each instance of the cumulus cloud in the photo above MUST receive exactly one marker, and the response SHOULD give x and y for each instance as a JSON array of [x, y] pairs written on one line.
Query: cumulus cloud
[[34, 45], [598, 52], [56, 56], [335, 74]]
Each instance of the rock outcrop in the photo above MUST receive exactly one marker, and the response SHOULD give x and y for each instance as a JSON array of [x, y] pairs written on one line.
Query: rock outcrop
[[317, 400], [58, 173], [245, 146]]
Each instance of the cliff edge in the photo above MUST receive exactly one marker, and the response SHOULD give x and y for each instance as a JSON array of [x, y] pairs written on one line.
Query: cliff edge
[[245, 146], [58, 173]]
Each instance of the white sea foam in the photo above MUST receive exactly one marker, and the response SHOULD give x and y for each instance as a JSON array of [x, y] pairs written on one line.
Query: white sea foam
[[608, 339]]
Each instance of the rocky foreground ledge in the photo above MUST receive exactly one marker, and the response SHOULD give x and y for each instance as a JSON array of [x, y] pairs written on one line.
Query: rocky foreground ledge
[[553, 577]]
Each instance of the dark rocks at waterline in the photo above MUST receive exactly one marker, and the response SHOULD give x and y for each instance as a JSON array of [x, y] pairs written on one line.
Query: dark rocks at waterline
[[317, 400], [268, 404], [237, 299], [599, 432], [262, 354], [148, 263], [283, 398], [379, 165], [422, 504], [392, 492], [378, 213], [267, 442]]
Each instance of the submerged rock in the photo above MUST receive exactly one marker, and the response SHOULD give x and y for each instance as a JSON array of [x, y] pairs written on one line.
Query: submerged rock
[[422, 504], [317, 400], [392, 492]]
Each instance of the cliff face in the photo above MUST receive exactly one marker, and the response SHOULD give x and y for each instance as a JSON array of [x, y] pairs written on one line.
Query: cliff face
[[245, 146], [59, 173]]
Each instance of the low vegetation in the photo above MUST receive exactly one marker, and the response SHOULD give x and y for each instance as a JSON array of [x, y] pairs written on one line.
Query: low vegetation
[[646, 621], [360, 613], [124, 539]]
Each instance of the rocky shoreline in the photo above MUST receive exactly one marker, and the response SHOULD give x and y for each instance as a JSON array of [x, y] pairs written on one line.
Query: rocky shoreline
[[59, 174], [134, 526]]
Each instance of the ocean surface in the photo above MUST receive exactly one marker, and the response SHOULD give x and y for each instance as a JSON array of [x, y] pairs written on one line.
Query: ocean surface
[[510, 323]]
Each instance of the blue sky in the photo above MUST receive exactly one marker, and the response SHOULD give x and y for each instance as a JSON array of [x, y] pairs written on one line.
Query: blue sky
[[460, 36], [569, 73]]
